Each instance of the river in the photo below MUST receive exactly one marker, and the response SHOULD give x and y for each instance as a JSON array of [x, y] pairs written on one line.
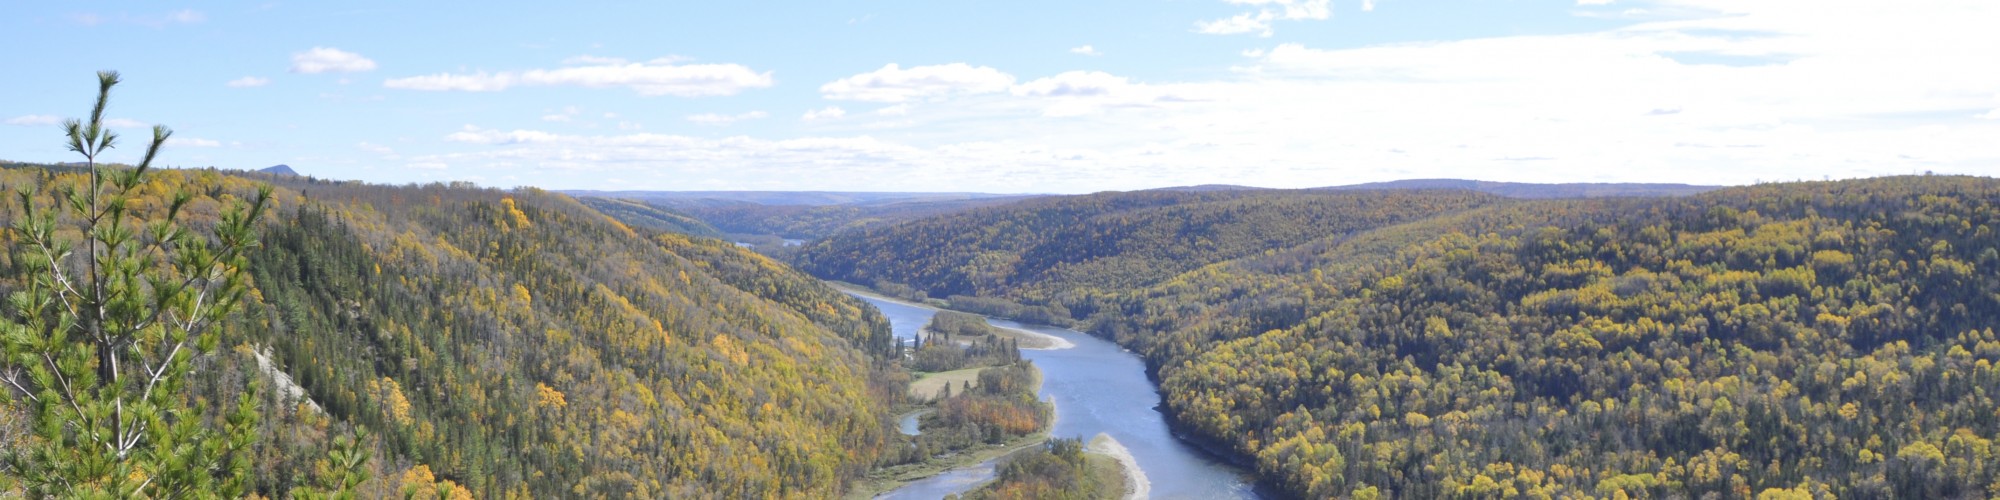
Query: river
[[1098, 387]]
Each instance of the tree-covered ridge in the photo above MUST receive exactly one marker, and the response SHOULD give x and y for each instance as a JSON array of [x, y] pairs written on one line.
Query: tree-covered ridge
[[1823, 337], [1066, 256], [520, 344], [645, 215], [807, 222]]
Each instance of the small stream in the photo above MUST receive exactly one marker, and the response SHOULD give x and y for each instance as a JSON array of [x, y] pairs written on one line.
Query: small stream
[[1098, 387]]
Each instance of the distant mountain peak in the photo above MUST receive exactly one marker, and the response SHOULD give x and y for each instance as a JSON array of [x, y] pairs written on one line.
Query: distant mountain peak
[[279, 169]]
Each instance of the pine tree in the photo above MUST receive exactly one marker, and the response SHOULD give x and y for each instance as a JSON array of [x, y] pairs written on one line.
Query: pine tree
[[120, 300]]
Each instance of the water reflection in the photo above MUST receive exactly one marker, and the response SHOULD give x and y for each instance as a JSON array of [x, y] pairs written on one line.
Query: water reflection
[[1098, 387]]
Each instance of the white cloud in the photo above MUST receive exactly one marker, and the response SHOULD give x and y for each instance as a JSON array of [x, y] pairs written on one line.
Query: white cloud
[[1086, 50], [330, 60], [1074, 93], [565, 115], [722, 119], [590, 60], [193, 142], [1259, 21], [427, 165], [855, 162], [1594, 2], [896, 110], [893, 83], [828, 113], [185, 16], [477, 82], [1724, 92], [375, 148], [34, 120], [653, 78], [249, 81], [125, 123]]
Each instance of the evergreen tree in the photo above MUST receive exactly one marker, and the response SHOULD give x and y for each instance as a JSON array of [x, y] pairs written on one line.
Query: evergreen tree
[[120, 301]]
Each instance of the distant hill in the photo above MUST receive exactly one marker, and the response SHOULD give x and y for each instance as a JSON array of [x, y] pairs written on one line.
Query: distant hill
[[806, 198], [1209, 187], [279, 169], [1062, 254], [1814, 339], [788, 216], [1531, 190], [641, 214]]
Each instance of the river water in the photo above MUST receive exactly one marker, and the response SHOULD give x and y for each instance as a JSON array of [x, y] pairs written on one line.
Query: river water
[[1098, 387]]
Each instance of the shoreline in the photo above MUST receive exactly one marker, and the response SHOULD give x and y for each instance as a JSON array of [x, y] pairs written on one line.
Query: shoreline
[[881, 481], [1136, 484], [1043, 341]]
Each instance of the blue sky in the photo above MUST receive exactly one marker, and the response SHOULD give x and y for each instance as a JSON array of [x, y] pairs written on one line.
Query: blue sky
[[1025, 96]]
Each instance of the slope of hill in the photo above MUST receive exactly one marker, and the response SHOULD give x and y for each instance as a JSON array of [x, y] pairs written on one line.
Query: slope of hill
[[521, 344], [1817, 337], [1807, 338], [803, 222], [1530, 190], [807, 198], [641, 214], [1061, 258], [279, 170]]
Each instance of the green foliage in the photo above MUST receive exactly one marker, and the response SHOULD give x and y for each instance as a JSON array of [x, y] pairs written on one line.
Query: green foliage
[[1060, 259], [1810, 338], [808, 222], [523, 345], [651, 217], [955, 340], [1821, 337], [118, 300], [520, 343], [1000, 408], [1058, 470]]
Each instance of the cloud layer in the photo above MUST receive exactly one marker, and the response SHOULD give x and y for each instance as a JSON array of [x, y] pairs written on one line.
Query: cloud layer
[[330, 60], [655, 78], [893, 83]]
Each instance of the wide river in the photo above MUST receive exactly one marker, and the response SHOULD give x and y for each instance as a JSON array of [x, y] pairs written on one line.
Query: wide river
[[1098, 387]]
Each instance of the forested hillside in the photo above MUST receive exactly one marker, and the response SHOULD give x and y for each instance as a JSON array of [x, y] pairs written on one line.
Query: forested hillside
[[645, 215], [1063, 258], [1826, 338], [808, 222], [520, 344]]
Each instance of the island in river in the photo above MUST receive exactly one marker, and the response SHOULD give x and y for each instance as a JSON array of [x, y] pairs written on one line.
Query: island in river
[[1097, 387]]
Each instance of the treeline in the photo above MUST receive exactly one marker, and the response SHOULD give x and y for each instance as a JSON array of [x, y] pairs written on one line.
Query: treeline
[[1058, 470], [1822, 338], [1061, 258], [810, 222], [1818, 338], [1001, 407], [640, 214], [520, 344], [954, 340]]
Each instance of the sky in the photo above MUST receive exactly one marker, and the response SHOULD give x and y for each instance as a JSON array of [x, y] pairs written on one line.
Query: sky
[[1022, 96]]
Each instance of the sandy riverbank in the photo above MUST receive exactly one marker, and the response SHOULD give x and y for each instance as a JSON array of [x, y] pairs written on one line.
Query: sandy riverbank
[[1029, 339], [1136, 484]]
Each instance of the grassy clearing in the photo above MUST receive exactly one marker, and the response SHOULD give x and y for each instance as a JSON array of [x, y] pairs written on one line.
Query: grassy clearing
[[1110, 476], [928, 384]]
